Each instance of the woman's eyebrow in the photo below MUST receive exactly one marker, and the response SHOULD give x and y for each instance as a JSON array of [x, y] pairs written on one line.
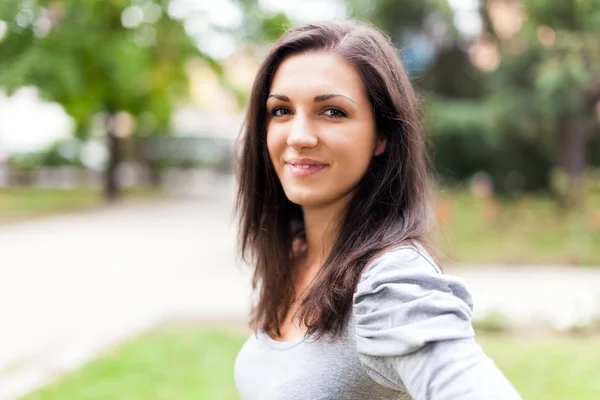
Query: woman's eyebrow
[[317, 99], [325, 97], [279, 97]]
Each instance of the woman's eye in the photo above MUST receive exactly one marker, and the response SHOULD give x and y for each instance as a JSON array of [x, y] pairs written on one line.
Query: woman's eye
[[280, 112], [335, 113]]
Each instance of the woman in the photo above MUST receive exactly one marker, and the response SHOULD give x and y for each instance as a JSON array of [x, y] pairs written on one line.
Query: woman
[[334, 211]]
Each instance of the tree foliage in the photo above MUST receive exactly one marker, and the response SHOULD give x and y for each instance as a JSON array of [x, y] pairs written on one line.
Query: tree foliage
[[551, 69], [99, 57], [79, 53]]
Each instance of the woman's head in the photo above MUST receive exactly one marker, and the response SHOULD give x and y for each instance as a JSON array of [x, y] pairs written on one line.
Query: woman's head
[[321, 133], [365, 143]]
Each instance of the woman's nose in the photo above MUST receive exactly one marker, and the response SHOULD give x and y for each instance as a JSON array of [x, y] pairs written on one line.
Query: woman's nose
[[302, 134]]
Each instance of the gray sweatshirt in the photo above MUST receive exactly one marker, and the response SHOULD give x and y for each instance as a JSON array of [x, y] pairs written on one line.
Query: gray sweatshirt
[[409, 337]]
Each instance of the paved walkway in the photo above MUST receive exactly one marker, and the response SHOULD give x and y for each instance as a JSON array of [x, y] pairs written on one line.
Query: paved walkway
[[73, 285]]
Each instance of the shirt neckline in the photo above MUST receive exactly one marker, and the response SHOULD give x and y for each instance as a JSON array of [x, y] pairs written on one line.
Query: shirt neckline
[[280, 345]]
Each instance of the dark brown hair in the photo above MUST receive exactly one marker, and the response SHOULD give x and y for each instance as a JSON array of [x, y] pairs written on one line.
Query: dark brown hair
[[391, 204]]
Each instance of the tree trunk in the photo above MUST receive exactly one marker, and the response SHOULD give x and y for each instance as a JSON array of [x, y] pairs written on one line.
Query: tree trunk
[[154, 173], [572, 159], [146, 151], [112, 189]]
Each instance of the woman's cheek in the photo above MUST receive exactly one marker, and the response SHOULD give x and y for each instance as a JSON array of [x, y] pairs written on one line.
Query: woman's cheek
[[275, 146]]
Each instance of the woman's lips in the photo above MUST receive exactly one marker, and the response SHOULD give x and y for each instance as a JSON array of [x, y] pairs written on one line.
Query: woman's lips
[[305, 169]]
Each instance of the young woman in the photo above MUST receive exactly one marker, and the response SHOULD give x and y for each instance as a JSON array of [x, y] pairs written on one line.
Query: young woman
[[334, 211]]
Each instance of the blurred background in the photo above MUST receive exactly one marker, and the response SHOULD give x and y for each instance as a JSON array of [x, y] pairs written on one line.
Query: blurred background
[[119, 276]]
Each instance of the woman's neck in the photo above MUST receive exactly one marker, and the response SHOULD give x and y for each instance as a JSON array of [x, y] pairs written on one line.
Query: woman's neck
[[321, 227]]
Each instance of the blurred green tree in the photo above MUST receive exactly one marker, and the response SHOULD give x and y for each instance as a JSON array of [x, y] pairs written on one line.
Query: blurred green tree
[[549, 82], [568, 78], [118, 58]]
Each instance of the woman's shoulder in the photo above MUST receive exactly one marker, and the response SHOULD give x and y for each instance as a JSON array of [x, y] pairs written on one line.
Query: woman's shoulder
[[403, 301], [409, 255], [408, 274], [410, 262]]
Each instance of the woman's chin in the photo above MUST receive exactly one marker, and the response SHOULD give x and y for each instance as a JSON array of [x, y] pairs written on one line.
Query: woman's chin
[[305, 198]]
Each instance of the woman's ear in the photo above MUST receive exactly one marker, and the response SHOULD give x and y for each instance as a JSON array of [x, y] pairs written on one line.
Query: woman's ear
[[380, 148]]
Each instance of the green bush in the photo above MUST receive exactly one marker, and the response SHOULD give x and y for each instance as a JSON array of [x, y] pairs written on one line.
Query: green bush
[[470, 136]]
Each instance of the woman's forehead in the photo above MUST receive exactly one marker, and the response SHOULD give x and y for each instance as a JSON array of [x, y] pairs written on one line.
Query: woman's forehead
[[313, 74]]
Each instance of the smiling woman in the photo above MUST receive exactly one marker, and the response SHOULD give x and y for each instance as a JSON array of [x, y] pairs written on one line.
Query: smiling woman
[[321, 135], [334, 213]]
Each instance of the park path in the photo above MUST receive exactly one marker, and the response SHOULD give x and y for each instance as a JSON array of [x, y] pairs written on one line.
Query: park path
[[73, 285]]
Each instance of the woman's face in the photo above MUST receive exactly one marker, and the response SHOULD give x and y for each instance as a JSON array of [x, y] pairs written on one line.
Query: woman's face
[[321, 128]]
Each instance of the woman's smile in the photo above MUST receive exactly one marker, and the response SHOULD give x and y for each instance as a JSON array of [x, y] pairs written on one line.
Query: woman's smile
[[304, 166]]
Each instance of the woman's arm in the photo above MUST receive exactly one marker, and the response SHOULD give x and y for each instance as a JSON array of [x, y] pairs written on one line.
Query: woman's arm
[[414, 333], [452, 369]]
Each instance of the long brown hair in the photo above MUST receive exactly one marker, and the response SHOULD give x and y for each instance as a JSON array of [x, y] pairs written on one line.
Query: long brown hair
[[391, 204]]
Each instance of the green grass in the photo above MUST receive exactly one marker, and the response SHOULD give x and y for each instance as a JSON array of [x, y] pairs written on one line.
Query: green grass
[[528, 229], [171, 364], [21, 203], [565, 368], [191, 362]]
